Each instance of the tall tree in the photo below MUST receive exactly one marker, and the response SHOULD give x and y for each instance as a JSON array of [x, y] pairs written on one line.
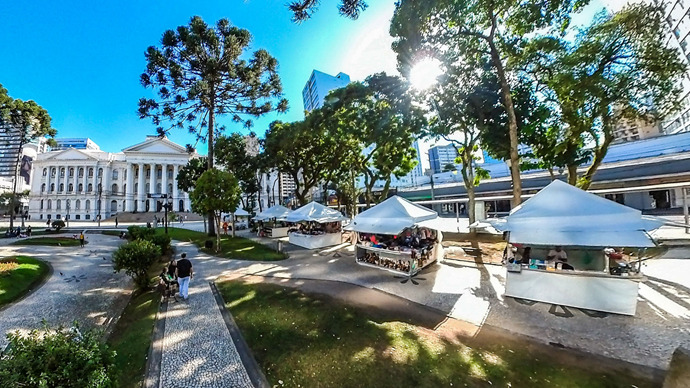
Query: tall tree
[[465, 31], [26, 121], [200, 72], [618, 68], [381, 117], [233, 154], [216, 192], [304, 9]]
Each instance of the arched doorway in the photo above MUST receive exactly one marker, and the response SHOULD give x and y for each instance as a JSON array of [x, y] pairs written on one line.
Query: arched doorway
[[181, 209], [148, 205], [113, 206]]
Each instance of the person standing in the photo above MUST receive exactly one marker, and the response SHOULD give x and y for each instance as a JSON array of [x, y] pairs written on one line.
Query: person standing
[[116, 222], [81, 239], [184, 272], [28, 231]]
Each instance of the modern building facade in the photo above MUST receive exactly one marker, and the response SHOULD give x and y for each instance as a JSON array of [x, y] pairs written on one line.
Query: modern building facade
[[9, 155], [632, 130], [77, 143], [678, 21], [441, 155], [318, 86], [87, 184]]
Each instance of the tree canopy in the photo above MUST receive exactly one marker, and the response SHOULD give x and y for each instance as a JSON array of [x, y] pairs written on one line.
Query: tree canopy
[[304, 9], [216, 192]]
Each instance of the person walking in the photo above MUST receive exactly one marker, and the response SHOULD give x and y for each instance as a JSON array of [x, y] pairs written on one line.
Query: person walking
[[116, 222], [28, 231], [81, 239], [184, 273]]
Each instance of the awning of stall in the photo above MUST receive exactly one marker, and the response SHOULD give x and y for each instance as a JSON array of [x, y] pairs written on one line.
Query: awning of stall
[[562, 214], [392, 216], [315, 212], [241, 213], [278, 212]]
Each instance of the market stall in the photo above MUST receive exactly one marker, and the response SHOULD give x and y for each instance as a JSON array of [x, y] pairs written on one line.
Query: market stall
[[573, 248], [318, 226], [273, 223], [396, 236]]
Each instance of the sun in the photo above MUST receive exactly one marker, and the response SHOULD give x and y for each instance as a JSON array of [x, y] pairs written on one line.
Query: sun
[[423, 74]]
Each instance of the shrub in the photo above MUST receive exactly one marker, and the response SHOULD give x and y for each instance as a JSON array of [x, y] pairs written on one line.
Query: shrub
[[141, 233], [58, 224], [135, 258], [57, 358], [162, 241]]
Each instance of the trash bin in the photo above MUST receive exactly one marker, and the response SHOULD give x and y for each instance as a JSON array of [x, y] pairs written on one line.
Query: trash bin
[[208, 244]]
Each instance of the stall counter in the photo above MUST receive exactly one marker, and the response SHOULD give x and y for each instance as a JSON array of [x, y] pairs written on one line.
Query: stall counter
[[582, 289], [276, 232], [314, 241]]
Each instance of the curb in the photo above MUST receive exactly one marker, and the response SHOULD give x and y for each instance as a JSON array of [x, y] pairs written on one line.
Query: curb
[[255, 374], [152, 379]]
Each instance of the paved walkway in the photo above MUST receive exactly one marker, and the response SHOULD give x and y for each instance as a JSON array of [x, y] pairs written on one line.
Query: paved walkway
[[198, 350], [82, 288]]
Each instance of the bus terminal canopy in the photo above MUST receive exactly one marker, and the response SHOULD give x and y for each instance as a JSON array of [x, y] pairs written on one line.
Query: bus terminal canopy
[[562, 214], [315, 212], [278, 212], [392, 216]]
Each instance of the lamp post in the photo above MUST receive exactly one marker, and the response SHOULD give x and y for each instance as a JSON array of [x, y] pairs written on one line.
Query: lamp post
[[67, 216]]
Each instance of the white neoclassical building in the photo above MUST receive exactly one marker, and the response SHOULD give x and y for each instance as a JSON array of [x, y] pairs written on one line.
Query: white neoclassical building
[[85, 184]]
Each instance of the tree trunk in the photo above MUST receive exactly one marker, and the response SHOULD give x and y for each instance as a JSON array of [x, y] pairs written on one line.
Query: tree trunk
[[551, 174], [471, 204], [512, 125], [209, 161], [572, 174], [216, 221], [599, 155], [233, 224], [384, 192]]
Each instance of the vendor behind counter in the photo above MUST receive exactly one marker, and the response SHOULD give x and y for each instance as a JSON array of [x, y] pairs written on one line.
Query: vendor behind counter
[[583, 259]]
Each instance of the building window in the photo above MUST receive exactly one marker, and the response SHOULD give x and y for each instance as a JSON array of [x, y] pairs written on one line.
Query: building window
[[52, 172], [62, 187], [52, 187], [77, 204], [43, 188], [77, 216], [62, 172], [100, 172], [70, 187], [45, 171], [90, 187], [159, 174], [81, 187], [58, 205], [88, 217], [158, 188], [148, 187], [87, 206], [41, 205], [136, 188], [40, 217], [148, 172], [114, 188], [81, 172], [170, 172], [124, 189], [71, 172], [114, 174], [90, 172]]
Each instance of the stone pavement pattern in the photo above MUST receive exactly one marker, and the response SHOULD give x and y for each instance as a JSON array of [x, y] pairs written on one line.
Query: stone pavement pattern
[[198, 350], [87, 291]]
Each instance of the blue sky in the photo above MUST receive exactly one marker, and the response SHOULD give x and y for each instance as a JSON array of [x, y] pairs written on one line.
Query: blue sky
[[82, 61]]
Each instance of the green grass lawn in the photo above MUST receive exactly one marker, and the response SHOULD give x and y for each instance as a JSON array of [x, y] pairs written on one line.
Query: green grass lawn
[[131, 336], [17, 282], [49, 241], [231, 248], [300, 340]]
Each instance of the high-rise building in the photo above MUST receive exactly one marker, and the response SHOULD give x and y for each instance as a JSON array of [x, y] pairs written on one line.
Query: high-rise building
[[631, 130], [9, 150], [678, 20], [77, 143], [439, 156], [318, 86]]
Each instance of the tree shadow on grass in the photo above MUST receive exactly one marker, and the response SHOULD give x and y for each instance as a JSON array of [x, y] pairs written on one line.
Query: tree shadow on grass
[[308, 341]]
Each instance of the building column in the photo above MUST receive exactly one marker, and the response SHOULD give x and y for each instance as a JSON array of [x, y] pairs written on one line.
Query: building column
[[48, 181], [152, 187], [85, 180], [164, 179], [105, 198], [141, 193], [129, 192], [76, 180]]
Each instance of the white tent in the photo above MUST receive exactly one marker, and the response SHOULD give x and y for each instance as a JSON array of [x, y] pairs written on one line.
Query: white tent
[[392, 216], [241, 213], [315, 212], [561, 214], [278, 212]]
